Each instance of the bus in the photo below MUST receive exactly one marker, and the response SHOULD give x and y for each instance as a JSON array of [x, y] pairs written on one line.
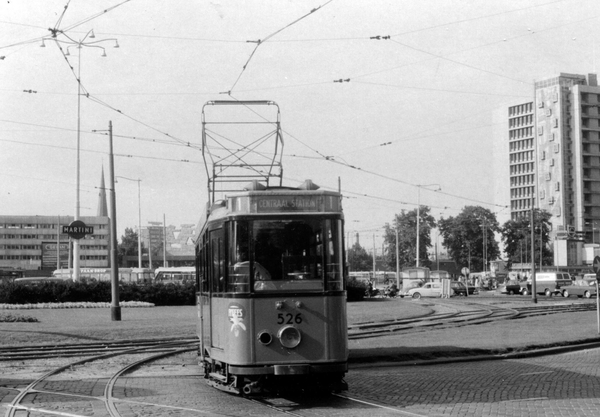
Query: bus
[[175, 275], [126, 275]]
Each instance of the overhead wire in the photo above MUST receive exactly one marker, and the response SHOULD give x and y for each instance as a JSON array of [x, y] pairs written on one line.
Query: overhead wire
[[259, 42]]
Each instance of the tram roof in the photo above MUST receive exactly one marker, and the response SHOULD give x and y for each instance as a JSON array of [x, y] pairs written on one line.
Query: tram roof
[[258, 199]]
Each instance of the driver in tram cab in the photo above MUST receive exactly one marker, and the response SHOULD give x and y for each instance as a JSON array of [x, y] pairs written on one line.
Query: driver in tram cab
[[261, 275]]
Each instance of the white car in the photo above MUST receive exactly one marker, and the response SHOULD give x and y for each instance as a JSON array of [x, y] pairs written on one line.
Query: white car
[[429, 289]]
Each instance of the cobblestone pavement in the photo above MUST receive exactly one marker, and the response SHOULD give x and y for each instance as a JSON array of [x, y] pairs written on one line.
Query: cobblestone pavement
[[555, 385]]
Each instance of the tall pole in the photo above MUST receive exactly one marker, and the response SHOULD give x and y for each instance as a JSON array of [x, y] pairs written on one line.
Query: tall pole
[[397, 259], [533, 286], [76, 263], [115, 309], [139, 225], [418, 223]]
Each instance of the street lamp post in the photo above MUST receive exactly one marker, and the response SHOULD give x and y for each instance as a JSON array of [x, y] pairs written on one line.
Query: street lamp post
[[419, 186], [139, 219], [70, 42]]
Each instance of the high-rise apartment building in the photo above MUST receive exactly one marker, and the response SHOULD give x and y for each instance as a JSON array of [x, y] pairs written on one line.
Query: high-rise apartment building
[[554, 154], [521, 147]]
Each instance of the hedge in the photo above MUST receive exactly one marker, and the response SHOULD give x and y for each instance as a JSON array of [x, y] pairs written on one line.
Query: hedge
[[98, 292]]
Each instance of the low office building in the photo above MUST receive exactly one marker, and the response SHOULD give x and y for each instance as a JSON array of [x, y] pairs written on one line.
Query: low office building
[[37, 242]]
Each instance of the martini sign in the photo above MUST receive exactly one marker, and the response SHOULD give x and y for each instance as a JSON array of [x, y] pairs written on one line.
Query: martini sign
[[77, 229]]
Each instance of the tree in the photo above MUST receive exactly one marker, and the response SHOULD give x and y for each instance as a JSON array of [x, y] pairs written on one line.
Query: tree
[[469, 237], [359, 259], [406, 225], [128, 246], [516, 235]]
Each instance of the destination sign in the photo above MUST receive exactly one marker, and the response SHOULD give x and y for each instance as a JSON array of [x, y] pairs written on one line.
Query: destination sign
[[269, 204]]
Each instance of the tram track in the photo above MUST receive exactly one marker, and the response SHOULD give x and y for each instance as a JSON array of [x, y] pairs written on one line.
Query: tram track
[[480, 314], [10, 353], [35, 398]]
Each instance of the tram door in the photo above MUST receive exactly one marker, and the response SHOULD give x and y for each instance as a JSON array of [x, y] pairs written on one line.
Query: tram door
[[217, 286]]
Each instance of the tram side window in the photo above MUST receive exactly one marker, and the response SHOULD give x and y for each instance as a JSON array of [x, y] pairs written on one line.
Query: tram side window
[[334, 255], [217, 248], [202, 268], [239, 258]]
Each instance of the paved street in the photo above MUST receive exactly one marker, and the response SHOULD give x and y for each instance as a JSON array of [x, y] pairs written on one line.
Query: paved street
[[556, 385]]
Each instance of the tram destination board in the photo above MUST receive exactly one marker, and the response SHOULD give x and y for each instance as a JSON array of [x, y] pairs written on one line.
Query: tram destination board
[[78, 229], [294, 203]]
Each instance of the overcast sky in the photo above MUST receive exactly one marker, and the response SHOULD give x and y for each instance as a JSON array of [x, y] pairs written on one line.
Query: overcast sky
[[417, 109]]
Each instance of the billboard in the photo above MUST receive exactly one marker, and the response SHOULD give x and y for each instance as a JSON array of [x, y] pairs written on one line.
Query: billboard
[[50, 253]]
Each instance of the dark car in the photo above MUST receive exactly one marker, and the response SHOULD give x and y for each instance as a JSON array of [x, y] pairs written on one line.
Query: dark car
[[459, 288], [510, 287]]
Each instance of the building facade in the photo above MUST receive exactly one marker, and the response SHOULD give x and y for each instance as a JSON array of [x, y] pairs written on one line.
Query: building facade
[[521, 147], [37, 242], [554, 153]]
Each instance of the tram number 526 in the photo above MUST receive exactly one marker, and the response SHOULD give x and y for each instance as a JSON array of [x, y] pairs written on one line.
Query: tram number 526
[[289, 318]]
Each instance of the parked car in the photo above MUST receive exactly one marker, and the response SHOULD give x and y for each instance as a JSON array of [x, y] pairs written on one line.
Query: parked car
[[429, 289], [510, 287], [459, 288], [581, 288]]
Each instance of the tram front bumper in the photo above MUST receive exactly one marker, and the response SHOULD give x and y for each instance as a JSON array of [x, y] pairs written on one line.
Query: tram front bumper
[[289, 369]]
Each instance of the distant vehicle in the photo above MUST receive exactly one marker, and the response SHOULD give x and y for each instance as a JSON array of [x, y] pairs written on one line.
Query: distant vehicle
[[510, 287], [429, 289], [175, 275], [129, 275], [38, 280], [548, 283], [459, 288], [581, 288]]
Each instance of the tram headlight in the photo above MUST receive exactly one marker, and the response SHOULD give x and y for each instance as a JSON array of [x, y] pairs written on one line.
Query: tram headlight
[[265, 337], [289, 337]]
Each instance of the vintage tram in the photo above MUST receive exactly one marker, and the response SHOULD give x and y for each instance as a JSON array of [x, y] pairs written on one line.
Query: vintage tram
[[271, 290]]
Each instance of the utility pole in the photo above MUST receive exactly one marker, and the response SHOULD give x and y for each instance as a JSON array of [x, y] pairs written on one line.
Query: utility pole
[[115, 308], [533, 286]]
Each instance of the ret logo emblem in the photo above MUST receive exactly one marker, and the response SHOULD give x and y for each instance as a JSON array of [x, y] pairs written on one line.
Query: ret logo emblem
[[236, 317]]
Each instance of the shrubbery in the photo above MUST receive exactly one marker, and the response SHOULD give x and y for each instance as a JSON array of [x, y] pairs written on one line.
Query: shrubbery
[[63, 292], [157, 294]]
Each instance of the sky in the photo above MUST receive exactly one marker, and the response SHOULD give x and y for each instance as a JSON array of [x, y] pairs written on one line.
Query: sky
[[414, 113]]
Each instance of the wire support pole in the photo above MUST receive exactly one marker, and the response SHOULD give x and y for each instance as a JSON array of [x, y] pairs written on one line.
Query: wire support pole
[[115, 308]]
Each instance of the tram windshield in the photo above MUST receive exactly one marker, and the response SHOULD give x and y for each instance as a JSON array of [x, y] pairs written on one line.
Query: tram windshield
[[285, 255]]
